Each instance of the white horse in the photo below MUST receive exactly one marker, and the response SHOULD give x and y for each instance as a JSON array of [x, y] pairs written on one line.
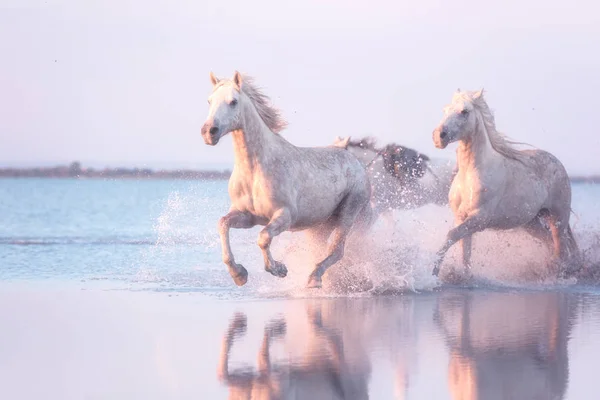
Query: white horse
[[498, 186], [277, 184], [401, 178]]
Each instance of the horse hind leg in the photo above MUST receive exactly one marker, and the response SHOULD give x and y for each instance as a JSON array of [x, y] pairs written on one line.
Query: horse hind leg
[[318, 237], [565, 246], [347, 217]]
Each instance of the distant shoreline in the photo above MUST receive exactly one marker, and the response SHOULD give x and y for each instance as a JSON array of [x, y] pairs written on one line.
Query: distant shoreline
[[76, 171]]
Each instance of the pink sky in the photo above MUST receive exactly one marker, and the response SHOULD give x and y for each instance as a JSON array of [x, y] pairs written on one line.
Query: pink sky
[[125, 82]]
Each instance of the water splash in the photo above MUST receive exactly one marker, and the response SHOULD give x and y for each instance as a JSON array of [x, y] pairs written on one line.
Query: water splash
[[397, 255]]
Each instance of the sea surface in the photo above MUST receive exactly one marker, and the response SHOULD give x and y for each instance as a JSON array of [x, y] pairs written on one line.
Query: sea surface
[[116, 289]]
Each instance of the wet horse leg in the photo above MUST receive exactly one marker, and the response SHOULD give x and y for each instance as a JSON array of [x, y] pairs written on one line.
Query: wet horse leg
[[237, 220], [280, 222], [350, 209], [471, 225], [335, 253], [466, 243]]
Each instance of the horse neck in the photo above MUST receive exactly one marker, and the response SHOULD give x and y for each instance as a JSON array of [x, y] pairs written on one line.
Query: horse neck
[[477, 150], [254, 141]]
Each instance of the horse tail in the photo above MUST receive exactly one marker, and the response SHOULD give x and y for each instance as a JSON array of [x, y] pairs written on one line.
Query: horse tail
[[576, 216]]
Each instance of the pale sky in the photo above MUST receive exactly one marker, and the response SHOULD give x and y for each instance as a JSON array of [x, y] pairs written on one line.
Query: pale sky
[[125, 82]]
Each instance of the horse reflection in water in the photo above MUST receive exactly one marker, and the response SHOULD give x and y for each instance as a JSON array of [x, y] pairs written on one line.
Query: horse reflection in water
[[506, 347], [323, 372]]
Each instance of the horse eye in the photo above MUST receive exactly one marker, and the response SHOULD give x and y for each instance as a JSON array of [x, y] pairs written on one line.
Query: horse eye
[[233, 102], [464, 111]]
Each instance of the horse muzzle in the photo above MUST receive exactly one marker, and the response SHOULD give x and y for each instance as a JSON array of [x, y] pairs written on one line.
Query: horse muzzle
[[440, 138], [210, 134]]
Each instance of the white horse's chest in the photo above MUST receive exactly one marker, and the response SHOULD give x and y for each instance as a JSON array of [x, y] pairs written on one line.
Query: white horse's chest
[[253, 194], [470, 190]]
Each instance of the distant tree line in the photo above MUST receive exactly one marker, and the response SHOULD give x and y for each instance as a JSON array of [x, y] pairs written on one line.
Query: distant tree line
[[75, 170]]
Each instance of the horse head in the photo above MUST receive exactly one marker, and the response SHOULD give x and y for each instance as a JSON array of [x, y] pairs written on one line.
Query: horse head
[[459, 121], [403, 162]]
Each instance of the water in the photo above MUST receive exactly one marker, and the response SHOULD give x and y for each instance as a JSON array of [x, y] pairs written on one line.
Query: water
[[96, 274], [164, 232]]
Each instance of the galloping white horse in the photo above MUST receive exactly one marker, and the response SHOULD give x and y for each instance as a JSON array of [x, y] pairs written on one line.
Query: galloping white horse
[[401, 178], [277, 184], [498, 186]]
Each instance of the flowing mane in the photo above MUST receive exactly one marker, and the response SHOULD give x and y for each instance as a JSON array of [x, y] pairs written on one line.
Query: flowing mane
[[500, 142], [270, 115]]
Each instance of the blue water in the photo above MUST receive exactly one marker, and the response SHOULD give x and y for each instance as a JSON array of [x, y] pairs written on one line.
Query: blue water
[[143, 232]]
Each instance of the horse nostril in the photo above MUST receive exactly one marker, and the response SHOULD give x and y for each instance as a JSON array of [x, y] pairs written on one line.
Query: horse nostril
[[443, 134], [213, 130]]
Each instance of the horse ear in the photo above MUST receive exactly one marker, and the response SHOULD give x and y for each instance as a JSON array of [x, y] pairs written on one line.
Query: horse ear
[[213, 79], [237, 79], [478, 94], [339, 142]]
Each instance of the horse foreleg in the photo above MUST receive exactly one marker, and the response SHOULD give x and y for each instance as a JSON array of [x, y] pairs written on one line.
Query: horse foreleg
[[280, 222], [237, 220], [470, 226], [466, 252]]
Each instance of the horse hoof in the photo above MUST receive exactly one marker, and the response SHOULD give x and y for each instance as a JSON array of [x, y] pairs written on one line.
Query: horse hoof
[[314, 282], [241, 277], [277, 269]]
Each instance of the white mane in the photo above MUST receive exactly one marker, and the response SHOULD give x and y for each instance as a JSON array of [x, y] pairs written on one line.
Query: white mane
[[270, 115], [500, 142]]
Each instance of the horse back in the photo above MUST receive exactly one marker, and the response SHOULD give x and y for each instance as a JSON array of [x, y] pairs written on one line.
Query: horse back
[[311, 182]]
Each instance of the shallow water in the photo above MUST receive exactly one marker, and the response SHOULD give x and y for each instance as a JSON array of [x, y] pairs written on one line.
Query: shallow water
[[115, 289], [163, 234]]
